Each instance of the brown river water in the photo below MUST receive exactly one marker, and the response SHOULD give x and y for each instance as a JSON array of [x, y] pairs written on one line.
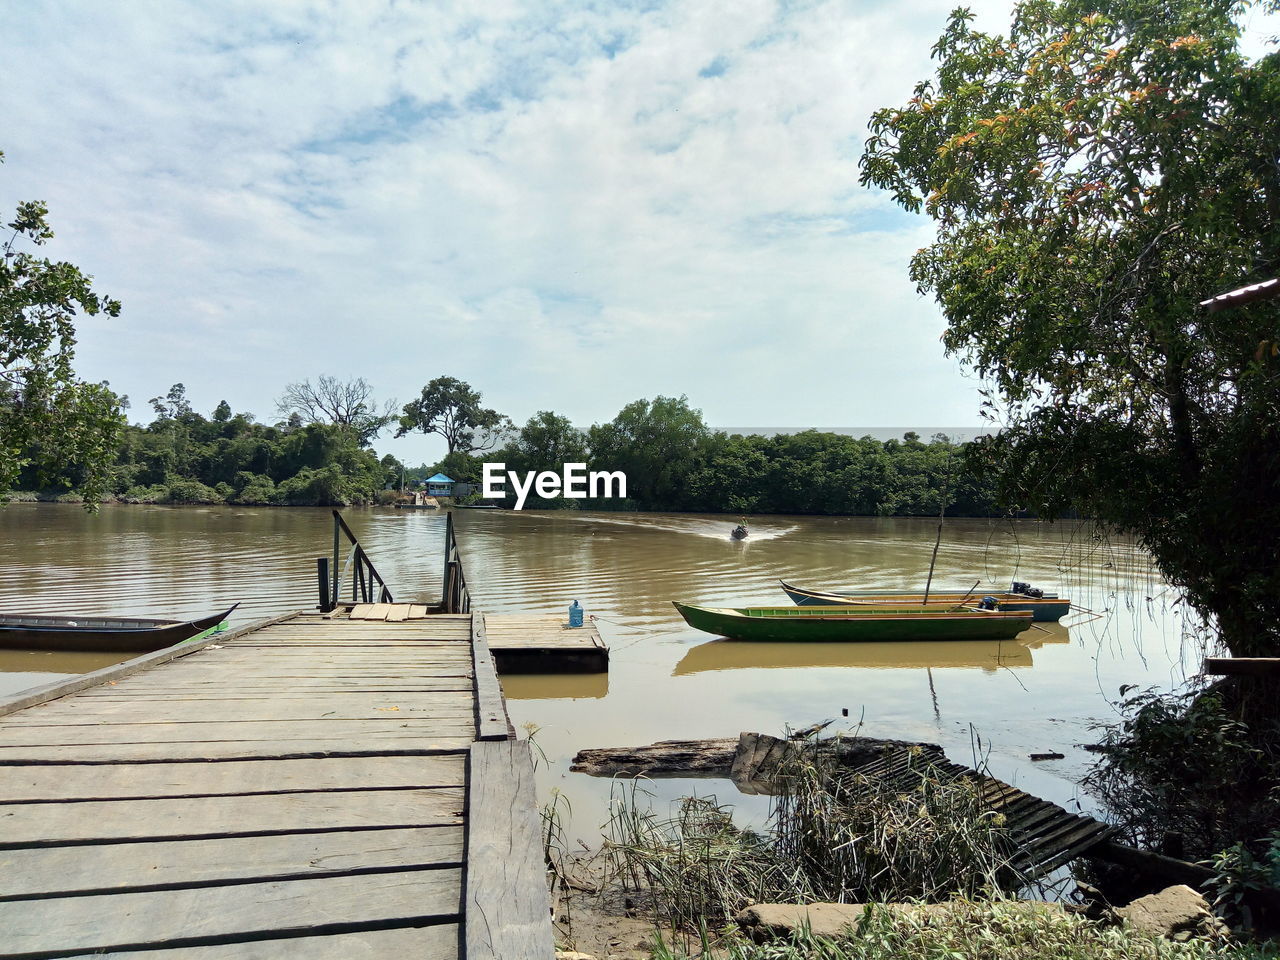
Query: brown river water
[[996, 701]]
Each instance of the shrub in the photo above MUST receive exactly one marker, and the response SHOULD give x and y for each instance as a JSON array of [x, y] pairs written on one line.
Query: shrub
[[1180, 765], [192, 491], [157, 493]]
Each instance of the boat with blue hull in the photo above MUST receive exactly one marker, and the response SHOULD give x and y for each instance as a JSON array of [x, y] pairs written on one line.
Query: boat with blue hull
[[1046, 608]]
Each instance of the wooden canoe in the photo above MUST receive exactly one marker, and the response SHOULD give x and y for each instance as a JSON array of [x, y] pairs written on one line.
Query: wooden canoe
[[855, 623], [1047, 609], [124, 634]]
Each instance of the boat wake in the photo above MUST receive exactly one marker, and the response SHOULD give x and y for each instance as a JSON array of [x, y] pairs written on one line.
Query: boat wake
[[700, 527]]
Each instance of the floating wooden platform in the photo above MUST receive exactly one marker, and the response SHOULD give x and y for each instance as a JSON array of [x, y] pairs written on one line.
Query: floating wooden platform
[[311, 787], [521, 643]]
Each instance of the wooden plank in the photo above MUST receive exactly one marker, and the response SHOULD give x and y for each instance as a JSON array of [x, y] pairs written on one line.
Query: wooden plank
[[355, 645], [232, 677], [177, 918], [355, 658], [285, 690], [25, 824], [187, 779], [62, 688], [438, 942], [492, 722], [399, 612], [358, 732], [115, 867], [361, 611], [1242, 666], [417, 611], [378, 611], [454, 704], [96, 753], [371, 628], [507, 914]]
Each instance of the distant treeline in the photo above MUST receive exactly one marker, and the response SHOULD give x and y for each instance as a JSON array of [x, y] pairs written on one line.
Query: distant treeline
[[672, 459], [184, 457]]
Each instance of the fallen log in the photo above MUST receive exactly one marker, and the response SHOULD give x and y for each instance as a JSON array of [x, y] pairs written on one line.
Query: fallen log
[[751, 761], [668, 758]]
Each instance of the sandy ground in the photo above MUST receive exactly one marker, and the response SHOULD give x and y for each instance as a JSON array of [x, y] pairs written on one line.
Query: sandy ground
[[595, 915]]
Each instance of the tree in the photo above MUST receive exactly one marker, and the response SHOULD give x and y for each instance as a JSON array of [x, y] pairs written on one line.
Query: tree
[[1093, 175], [174, 405], [50, 419], [546, 442], [346, 403], [451, 408], [657, 443], [222, 412]]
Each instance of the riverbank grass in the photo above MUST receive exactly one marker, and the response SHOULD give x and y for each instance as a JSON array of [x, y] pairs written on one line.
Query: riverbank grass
[[833, 836], [971, 930]]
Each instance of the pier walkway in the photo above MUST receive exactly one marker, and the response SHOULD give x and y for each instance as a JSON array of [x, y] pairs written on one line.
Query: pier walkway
[[314, 786]]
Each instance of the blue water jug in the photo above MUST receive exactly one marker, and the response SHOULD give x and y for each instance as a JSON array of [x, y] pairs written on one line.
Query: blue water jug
[[575, 614]]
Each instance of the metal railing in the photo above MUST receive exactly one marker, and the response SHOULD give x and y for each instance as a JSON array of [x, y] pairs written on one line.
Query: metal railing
[[454, 597], [367, 585]]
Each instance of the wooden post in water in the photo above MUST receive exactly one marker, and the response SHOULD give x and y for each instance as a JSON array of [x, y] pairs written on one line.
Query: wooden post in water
[[942, 514]]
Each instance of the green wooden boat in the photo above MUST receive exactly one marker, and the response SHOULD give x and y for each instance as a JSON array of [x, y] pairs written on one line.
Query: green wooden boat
[[855, 624]]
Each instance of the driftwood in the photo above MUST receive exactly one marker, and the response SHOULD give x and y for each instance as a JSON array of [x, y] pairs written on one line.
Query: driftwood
[[751, 761], [668, 758]]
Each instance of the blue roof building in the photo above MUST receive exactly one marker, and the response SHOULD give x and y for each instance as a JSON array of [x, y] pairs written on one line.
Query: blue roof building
[[439, 486]]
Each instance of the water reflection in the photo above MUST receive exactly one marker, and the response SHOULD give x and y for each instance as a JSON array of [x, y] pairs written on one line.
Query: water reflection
[[737, 655], [22, 669], [566, 686]]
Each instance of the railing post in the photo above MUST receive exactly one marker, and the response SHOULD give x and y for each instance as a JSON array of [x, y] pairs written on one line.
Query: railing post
[[336, 593], [322, 576], [448, 545]]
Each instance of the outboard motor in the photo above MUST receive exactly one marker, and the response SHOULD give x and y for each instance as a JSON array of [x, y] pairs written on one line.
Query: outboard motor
[[988, 603], [1026, 589]]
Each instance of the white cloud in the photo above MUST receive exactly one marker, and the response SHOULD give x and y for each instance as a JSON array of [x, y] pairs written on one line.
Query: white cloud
[[571, 207]]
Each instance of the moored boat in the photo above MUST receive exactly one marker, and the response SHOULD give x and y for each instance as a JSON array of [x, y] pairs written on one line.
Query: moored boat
[[855, 623], [123, 634], [1048, 608]]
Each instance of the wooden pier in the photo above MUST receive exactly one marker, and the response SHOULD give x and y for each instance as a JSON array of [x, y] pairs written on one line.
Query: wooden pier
[[526, 643], [319, 786]]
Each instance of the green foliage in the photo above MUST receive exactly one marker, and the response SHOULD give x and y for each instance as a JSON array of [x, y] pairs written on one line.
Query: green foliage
[[451, 408], [459, 466], [1182, 765], [1094, 175], [54, 428], [182, 490], [1238, 875], [655, 443], [181, 457], [983, 930]]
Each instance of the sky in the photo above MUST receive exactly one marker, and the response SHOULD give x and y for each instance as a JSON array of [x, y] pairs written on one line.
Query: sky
[[571, 206]]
